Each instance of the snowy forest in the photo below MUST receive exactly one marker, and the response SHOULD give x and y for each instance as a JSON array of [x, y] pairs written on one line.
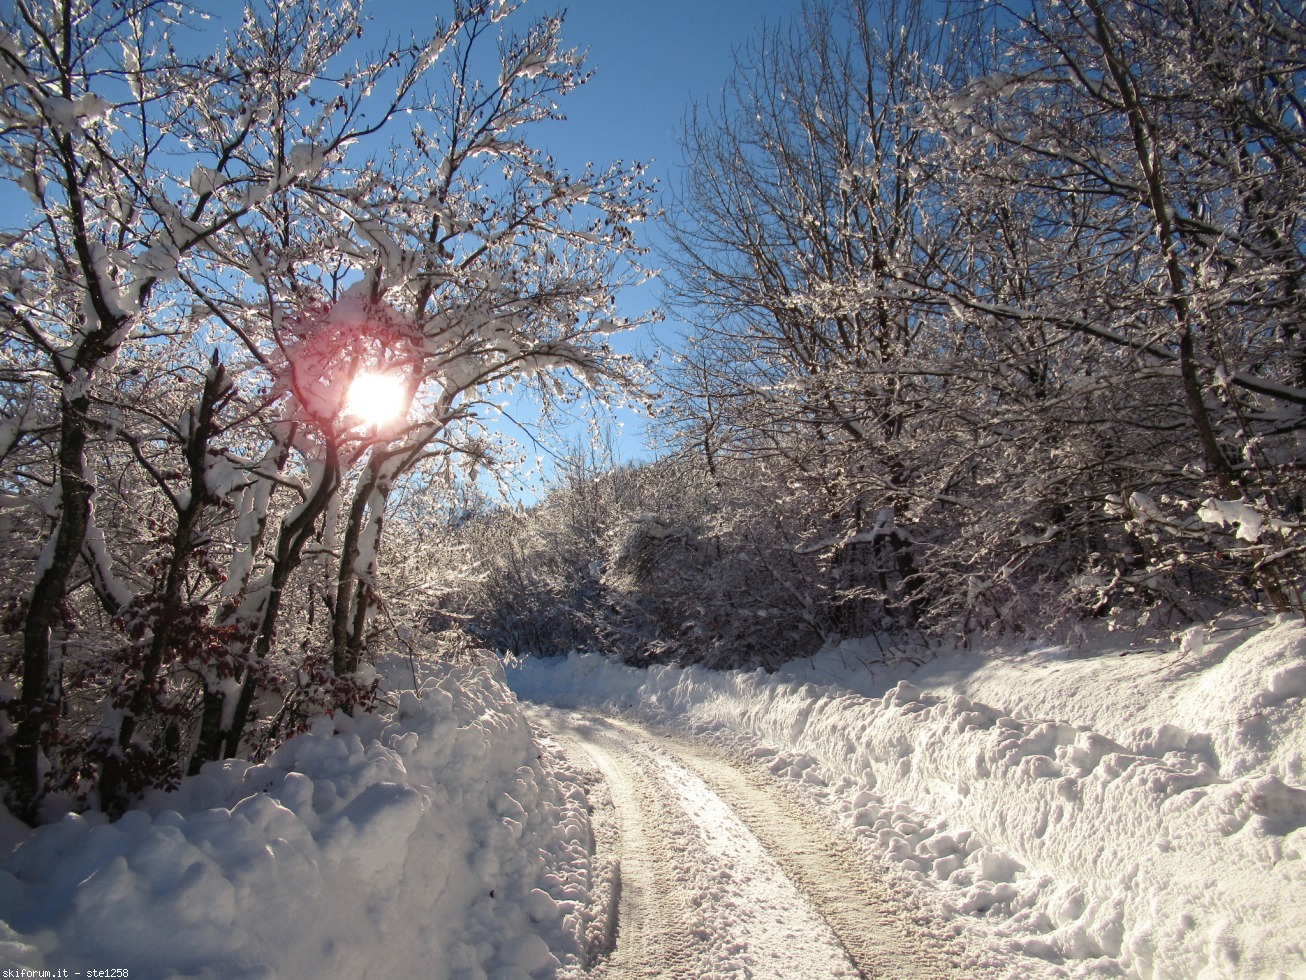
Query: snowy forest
[[996, 323], [994, 327]]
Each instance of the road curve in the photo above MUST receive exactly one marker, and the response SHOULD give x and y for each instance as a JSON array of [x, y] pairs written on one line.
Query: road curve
[[721, 873]]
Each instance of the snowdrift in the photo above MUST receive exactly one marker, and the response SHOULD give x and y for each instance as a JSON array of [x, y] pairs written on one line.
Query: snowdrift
[[438, 840], [1121, 810], [1117, 811]]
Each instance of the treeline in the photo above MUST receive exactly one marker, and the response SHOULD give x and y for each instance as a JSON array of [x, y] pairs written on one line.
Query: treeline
[[1013, 300], [650, 563], [995, 323]]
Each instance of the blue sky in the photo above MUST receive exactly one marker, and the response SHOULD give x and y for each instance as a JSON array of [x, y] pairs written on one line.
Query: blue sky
[[651, 59]]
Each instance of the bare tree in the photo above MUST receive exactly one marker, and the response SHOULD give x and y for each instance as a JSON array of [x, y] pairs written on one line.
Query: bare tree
[[1162, 208], [246, 202], [1011, 310], [803, 211]]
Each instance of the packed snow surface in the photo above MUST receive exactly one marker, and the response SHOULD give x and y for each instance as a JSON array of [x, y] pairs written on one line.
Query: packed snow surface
[[1073, 811], [722, 874]]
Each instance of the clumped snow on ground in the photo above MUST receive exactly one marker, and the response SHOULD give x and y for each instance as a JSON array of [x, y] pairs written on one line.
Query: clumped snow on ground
[[434, 840], [1102, 809], [1093, 810]]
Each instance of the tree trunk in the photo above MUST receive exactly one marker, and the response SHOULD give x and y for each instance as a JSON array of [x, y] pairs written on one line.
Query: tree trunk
[[183, 547], [220, 735], [1149, 161], [38, 701]]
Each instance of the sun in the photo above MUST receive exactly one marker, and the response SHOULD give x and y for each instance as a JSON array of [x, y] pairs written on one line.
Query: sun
[[375, 399]]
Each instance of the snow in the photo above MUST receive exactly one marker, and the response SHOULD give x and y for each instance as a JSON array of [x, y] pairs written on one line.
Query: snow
[[1119, 808], [205, 180], [1109, 811], [306, 158], [435, 840], [98, 552], [1239, 513]]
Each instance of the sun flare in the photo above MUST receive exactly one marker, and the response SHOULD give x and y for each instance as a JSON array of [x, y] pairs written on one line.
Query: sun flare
[[375, 399]]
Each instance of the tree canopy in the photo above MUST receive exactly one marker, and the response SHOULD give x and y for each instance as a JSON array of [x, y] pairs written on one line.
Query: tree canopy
[[220, 243]]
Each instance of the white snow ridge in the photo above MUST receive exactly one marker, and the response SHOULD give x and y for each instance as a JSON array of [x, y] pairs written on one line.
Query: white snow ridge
[[438, 841]]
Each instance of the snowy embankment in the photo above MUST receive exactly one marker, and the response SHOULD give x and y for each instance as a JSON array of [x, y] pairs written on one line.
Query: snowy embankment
[[1126, 811], [429, 841]]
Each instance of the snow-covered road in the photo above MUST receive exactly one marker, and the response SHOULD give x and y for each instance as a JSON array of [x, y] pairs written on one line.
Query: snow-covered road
[[1051, 814], [1055, 812], [722, 872]]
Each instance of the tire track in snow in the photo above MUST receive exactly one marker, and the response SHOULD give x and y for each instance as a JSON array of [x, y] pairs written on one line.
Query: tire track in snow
[[863, 912], [721, 875], [651, 920]]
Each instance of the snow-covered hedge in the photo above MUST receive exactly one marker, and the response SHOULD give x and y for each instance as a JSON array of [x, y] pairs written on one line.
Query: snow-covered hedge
[[437, 840]]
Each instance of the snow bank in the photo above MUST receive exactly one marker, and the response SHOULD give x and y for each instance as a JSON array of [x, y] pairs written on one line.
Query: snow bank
[[1129, 811], [436, 841]]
